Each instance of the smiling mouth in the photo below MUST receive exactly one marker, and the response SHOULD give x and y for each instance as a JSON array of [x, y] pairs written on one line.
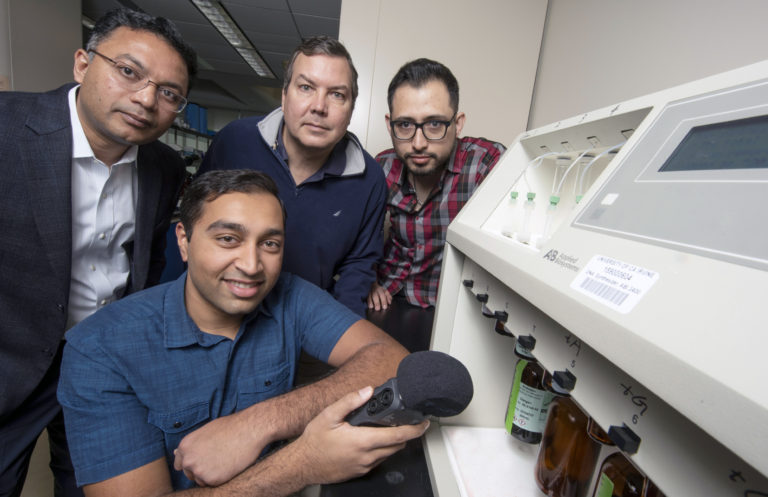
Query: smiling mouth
[[241, 284], [244, 289]]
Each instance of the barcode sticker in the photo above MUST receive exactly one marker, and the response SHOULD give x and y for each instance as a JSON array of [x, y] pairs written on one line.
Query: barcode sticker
[[617, 284]]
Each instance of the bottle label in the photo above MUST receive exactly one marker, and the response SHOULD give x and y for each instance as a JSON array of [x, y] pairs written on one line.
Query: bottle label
[[513, 395], [531, 408], [604, 487]]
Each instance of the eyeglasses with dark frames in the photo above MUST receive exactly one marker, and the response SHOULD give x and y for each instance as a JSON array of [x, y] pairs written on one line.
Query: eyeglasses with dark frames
[[133, 79], [433, 129]]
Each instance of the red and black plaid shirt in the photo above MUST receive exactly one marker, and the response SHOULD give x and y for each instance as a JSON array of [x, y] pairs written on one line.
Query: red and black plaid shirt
[[413, 251]]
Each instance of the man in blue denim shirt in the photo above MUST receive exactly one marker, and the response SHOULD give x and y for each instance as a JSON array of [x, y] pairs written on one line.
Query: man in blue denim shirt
[[188, 382]]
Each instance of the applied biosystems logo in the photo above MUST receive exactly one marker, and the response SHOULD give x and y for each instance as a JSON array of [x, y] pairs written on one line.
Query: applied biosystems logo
[[567, 261]]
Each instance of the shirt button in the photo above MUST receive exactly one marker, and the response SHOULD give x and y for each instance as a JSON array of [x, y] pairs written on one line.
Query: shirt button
[[267, 383], [102, 236], [177, 424], [93, 268], [104, 196], [103, 302], [60, 307]]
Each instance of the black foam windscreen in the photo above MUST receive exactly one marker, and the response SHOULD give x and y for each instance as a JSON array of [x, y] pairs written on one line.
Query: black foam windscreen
[[434, 383]]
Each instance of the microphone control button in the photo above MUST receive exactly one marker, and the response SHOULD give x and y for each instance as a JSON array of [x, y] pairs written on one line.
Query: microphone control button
[[386, 397]]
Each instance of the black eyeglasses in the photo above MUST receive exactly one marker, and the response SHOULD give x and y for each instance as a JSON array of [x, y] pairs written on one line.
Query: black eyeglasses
[[433, 129], [134, 79]]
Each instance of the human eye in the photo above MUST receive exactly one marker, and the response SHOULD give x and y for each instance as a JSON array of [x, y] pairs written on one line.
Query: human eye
[[404, 125], [227, 240], [272, 246], [128, 72], [303, 87], [337, 95], [169, 95], [435, 125]]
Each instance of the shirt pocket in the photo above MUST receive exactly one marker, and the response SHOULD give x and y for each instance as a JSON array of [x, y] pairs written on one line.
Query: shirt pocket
[[176, 424], [263, 386]]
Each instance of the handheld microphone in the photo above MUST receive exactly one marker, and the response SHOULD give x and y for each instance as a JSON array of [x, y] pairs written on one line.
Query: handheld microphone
[[427, 382]]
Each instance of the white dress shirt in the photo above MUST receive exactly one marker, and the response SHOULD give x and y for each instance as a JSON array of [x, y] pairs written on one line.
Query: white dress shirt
[[103, 219]]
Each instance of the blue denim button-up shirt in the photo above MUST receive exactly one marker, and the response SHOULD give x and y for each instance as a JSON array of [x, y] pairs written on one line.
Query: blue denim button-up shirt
[[139, 375]]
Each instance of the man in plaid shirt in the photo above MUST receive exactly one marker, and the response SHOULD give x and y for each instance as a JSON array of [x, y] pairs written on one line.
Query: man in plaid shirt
[[431, 173]]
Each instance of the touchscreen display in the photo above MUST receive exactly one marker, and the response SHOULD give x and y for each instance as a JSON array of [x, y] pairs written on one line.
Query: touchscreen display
[[740, 144]]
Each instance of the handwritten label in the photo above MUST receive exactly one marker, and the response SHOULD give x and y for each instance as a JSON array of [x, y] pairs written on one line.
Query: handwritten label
[[637, 400]]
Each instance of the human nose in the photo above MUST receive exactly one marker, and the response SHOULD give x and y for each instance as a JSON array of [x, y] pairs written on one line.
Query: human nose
[[419, 141], [147, 95], [249, 261], [318, 103]]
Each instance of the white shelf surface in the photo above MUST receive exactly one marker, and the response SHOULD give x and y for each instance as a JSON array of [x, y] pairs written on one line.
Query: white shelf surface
[[488, 461]]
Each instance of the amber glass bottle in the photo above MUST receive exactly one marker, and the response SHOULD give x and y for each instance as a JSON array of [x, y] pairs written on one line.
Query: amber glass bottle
[[528, 400], [568, 455], [620, 478], [597, 433]]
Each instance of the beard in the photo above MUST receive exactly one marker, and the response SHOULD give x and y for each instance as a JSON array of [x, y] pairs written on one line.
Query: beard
[[435, 165], [439, 155]]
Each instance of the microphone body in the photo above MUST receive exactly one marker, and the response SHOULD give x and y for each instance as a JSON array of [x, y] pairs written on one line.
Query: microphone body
[[385, 408], [427, 382]]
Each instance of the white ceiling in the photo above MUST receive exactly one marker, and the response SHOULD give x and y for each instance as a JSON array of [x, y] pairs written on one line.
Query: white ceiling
[[274, 27]]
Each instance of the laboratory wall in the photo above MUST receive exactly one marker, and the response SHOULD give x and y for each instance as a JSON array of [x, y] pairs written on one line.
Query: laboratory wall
[[599, 52], [38, 58], [5, 47], [492, 46]]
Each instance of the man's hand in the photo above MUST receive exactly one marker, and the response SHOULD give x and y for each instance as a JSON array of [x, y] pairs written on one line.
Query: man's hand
[[218, 451], [334, 451], [379, 297]]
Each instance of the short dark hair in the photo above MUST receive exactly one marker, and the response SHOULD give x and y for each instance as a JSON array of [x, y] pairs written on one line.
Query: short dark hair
[[213, 184], [418, 72], [321, 45], [162, 27]]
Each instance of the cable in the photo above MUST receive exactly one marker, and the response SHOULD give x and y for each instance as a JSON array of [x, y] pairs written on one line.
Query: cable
[[586, 168], [533, 164], [556, 193]]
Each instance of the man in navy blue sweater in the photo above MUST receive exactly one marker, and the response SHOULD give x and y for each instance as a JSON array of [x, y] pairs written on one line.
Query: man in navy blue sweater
[[333, 190]]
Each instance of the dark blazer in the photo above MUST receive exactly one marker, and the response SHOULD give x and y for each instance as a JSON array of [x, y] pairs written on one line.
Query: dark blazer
[[36, 232]]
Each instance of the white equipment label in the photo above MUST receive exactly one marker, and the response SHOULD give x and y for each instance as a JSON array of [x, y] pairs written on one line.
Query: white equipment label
[[619, 285]]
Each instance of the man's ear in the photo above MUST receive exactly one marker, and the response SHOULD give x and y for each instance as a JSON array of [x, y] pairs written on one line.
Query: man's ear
[[389, 128], [82, 62], [181, 239], [460, 117]]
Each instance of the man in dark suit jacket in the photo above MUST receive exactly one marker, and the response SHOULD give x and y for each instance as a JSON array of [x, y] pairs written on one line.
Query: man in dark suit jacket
[[63, 154]]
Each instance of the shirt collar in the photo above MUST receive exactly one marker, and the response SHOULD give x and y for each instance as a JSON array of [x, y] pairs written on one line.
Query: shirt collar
[[179, 328], [81, 149], [454, 166]]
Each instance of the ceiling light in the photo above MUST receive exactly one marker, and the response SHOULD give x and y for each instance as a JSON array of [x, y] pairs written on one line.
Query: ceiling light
[[219, 17]]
